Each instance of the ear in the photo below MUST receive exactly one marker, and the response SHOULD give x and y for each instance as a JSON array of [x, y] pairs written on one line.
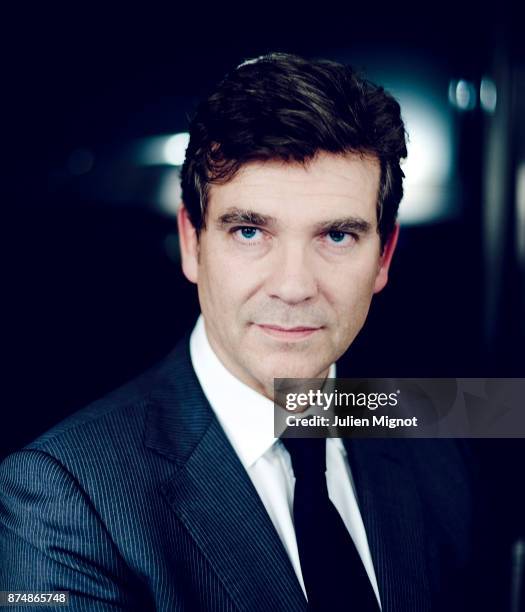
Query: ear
[[188, 244], [386, 259]]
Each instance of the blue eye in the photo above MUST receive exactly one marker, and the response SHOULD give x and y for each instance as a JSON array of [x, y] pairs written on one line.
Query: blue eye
[[337, 236], [248, 232], [340, 239]]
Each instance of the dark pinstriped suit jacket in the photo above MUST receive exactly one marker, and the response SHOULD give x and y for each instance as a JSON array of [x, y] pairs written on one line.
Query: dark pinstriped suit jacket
[[139, 502]]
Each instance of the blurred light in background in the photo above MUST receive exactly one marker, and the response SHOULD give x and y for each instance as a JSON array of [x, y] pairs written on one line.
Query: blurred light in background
[[520, 213], [170, 193], [429, 166], [162, 150], [462, 94], [488, 95], [166, 151], [175, 148]]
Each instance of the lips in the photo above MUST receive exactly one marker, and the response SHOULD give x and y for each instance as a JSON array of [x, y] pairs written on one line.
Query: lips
[[287, 333], [289, 329]]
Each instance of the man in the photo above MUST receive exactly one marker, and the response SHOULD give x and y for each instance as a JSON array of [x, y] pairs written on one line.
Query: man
[[172, 493]]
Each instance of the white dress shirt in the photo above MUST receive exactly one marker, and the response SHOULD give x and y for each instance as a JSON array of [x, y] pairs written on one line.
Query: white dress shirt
[[247, 419]]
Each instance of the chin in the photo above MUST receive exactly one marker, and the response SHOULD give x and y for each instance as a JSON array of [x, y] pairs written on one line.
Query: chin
[[301, 369]]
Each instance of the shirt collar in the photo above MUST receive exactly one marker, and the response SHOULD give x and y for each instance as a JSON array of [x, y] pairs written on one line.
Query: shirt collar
[[245, 415]]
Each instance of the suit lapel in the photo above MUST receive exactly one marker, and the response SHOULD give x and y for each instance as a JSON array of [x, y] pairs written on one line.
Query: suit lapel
[[393, 520], [213, 496]]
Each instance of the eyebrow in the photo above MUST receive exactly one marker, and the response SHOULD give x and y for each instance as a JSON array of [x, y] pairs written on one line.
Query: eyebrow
[[240, 216], [345, 224]]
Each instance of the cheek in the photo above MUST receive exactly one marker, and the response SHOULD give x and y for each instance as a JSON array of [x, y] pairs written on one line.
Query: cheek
[[225, 285], [351, 296]]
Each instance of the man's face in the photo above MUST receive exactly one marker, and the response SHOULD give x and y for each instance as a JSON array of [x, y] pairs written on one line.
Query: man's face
[[287, 265]]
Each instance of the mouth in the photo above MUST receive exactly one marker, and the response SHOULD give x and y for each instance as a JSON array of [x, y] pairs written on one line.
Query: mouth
[[288, 333]]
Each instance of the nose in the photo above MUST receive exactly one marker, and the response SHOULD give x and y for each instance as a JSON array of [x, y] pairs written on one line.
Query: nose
[[292, 278]]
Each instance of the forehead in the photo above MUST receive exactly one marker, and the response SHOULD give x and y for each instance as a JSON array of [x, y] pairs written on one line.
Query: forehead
[[329, 184]]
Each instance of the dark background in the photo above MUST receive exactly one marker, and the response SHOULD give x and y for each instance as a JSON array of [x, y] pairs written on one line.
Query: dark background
[[93, 293]]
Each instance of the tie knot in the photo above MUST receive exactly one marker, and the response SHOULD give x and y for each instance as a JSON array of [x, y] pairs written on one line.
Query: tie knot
[[308, 455]]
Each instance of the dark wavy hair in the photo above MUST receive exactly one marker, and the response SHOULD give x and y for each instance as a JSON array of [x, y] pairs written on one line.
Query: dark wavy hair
[[284, 107]]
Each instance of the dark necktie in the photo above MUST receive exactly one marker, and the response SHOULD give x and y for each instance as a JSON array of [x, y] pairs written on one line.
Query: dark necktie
[[334, 575]]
